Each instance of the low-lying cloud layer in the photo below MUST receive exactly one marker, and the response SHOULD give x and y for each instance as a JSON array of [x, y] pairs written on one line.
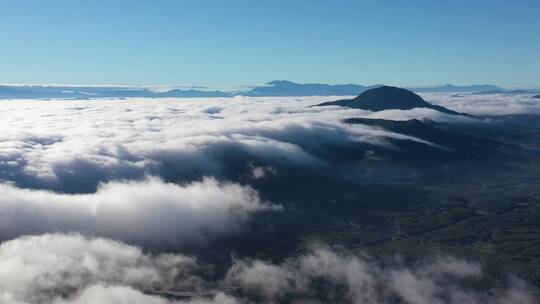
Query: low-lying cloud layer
[[72, 146], [97, 155], [148, 212], [485, 105], [74, 269], [159, 171]]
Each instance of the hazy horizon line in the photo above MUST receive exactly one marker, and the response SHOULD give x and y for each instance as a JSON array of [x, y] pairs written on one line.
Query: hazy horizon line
[[230, 87]]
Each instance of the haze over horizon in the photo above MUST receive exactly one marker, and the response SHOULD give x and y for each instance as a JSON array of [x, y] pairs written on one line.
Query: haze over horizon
[[246, 86]]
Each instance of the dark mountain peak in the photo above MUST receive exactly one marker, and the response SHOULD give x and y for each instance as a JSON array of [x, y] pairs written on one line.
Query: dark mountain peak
[[388, 98], [383, 98], [281, 82]]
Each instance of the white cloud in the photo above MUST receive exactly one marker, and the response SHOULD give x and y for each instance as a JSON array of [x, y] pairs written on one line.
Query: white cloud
[[97, 155], [420, 113], [72, 146], [62, 269], [38, 269], [72, 269], [148, 212], [344, 278], [122, 294], [485, 105]]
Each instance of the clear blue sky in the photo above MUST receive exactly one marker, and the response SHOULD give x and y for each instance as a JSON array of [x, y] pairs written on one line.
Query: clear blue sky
[[226, 42]]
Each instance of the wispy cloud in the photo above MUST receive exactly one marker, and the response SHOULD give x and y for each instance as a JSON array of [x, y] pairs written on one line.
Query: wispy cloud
[[494, 104], [74, 269]]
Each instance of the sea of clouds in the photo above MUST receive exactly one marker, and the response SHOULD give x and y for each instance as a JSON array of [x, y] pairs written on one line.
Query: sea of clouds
[[488, 104], [72, 145], [166, 171], [161, 170]]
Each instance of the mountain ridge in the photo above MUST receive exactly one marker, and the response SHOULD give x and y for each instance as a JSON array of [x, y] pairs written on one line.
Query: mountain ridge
[[289, 88], [389, 98], [273, 88]]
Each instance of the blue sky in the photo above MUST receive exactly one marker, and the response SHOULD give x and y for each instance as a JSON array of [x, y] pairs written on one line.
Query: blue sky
[[225, 42]]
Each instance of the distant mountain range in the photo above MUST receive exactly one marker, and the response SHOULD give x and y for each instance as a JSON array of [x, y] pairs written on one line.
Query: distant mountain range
[[450, 88], [507, 92], [273, 88], [288, 88], [389, 98], [69, 92]]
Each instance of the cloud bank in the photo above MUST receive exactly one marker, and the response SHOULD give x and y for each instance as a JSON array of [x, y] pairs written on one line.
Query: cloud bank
[[97, 155], [72, 146], [145, 212], [84, 167], [74, 269], [486, 105]]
